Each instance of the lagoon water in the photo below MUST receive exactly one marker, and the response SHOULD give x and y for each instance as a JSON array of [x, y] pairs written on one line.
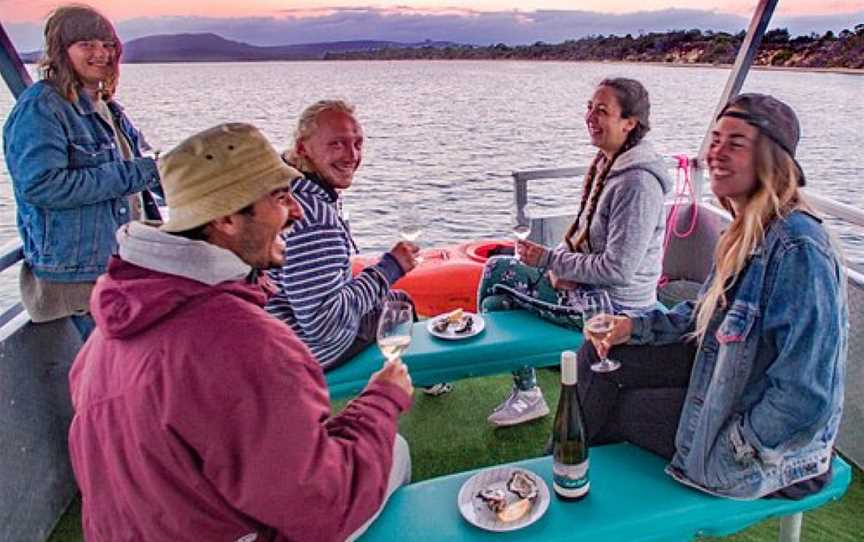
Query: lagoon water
[[444, 136]]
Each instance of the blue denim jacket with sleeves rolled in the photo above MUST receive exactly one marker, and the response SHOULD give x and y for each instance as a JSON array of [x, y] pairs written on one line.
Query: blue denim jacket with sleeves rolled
[[70, 182], [765, 396]]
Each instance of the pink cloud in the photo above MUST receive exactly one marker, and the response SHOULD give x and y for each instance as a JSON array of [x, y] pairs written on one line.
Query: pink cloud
[[16, 11]]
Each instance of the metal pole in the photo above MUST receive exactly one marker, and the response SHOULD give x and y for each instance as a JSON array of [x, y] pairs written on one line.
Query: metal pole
[[790, 527], [13, 70], [749, 47], [520, 196]]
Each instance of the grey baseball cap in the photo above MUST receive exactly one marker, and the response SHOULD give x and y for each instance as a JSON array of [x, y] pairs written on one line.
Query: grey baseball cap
[[773, 118]]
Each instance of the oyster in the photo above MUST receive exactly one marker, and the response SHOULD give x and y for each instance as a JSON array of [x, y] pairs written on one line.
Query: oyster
[[522, 485], [495, 499], [514, 511], [441, 325], [465, 324]]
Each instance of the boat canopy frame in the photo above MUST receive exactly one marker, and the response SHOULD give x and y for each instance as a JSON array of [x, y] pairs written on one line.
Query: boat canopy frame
[[47, 394]]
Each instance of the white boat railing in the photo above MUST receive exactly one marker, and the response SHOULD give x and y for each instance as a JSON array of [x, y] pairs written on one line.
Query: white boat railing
[[822, 204]]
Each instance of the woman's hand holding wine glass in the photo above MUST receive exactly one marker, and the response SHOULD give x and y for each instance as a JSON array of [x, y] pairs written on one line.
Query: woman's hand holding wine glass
[[530, 254], [561, 284], [622, 327], [603, 328], [521, 230]]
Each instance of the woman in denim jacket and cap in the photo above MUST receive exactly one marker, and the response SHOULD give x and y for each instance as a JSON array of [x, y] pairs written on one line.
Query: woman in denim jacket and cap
[[756, 366], [75, 163]]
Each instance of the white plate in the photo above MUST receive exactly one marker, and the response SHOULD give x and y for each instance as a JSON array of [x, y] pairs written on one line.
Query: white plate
[[475, 511], [450, 334]]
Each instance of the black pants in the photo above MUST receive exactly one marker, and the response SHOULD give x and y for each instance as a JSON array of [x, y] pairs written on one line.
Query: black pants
[[639, 403]]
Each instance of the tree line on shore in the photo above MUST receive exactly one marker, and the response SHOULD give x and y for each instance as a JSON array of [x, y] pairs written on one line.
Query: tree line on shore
[[778, 48]]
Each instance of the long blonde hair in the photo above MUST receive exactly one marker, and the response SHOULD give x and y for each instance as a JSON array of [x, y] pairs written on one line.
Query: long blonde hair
[[69, 24], [775, 196], [307, 125]]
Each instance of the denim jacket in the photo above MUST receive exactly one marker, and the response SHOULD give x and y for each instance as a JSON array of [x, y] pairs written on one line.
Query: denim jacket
[[766, 392], [70, 182]]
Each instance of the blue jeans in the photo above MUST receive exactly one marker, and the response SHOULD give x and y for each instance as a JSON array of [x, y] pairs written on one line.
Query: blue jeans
[[84, 323]]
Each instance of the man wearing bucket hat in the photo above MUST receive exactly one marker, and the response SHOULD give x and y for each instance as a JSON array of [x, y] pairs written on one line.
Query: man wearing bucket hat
[[198, 416]]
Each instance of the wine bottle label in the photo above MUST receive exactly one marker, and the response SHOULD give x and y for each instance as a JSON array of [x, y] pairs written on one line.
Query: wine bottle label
[[570, 480]]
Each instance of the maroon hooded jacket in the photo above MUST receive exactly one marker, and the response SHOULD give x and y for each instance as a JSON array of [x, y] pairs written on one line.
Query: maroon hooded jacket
[[198, 416]]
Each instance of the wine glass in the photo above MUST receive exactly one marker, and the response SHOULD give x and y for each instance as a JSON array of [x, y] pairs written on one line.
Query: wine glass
[[411, 226], [598, 318], [521, 228], [394, 328]]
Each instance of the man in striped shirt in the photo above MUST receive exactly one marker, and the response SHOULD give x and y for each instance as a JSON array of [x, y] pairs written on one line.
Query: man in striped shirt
[[335, 314]]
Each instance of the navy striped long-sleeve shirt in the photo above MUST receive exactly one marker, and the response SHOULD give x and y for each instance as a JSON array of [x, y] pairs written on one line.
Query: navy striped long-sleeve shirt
[[318, 297]]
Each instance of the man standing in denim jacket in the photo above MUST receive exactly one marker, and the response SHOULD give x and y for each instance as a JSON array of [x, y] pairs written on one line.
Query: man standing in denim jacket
[[76, 166]]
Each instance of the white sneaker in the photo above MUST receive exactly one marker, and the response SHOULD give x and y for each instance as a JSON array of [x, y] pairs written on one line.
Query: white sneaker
[[438, 389], [520, 407]]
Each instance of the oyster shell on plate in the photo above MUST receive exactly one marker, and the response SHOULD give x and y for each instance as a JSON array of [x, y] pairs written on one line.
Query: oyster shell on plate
[[522, 485]]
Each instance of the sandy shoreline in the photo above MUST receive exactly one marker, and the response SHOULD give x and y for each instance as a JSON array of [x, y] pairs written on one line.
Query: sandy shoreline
[[843, 71]]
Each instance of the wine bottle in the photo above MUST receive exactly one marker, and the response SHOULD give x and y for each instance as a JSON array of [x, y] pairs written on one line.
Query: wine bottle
[[569, 439]]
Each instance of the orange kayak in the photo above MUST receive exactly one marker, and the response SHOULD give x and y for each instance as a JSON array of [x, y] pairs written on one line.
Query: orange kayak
[[447, 278]]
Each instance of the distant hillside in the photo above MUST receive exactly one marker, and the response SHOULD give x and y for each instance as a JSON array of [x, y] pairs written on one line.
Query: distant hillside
[[31, 57], [844, 50], [213, 48]]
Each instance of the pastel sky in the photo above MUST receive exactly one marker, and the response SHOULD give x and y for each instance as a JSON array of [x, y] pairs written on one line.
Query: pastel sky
[[481, 22], [35, 10]]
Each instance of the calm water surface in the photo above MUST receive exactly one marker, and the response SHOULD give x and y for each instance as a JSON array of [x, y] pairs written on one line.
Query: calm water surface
[[444, 136]]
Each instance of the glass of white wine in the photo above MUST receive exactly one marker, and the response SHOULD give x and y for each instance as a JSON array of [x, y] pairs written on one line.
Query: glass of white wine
[[394, 328], [521, 228], [598, 318], [411, 226]]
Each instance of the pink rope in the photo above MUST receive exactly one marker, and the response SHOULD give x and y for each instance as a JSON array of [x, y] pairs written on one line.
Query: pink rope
[[682, 193]]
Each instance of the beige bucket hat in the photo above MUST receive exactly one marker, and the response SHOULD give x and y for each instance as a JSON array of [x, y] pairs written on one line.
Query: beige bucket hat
[[219, 171]]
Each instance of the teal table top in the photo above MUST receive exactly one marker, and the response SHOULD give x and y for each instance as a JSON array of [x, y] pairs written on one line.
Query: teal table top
[[510, 340], [631, 499]]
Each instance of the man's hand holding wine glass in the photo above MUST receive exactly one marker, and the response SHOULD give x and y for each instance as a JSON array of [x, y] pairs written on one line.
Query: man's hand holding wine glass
[[411, 222], [406, 253], [395, 372], [395, 328]]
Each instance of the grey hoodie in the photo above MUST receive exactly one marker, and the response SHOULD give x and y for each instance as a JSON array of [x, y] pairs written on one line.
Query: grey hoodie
[[626, 234], [146, 246]]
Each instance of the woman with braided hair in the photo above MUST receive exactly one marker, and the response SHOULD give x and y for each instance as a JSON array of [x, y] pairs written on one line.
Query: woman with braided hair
[[615, 243]]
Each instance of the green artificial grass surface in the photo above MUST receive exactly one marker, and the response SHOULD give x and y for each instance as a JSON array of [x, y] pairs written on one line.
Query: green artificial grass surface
[[450, 434]]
